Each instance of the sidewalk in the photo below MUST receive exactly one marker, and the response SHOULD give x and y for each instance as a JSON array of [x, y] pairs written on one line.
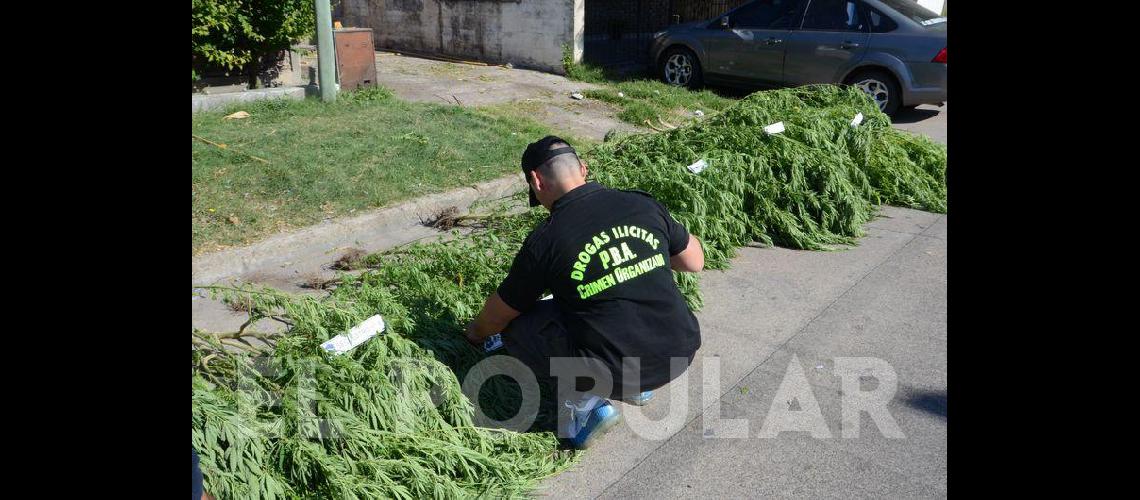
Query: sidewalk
[[885, 298]]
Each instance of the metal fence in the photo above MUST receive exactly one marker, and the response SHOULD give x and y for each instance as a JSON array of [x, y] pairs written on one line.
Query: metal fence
[[618, 32]]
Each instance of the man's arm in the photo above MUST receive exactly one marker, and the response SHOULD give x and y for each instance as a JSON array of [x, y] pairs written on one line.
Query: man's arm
[[493, 319], [691, 259]]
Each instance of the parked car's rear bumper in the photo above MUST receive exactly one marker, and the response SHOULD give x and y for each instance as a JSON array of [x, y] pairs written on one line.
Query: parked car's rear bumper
[[926, 84], [924, 96]]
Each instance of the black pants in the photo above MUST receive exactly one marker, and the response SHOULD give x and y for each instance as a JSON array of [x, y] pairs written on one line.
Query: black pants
[[195, 476], [540, 334]]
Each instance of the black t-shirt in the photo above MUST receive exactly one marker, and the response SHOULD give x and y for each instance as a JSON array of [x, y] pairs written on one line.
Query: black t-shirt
[[604, 255]]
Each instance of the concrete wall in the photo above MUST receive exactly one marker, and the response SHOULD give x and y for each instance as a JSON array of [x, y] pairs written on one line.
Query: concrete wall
[[525, 33]]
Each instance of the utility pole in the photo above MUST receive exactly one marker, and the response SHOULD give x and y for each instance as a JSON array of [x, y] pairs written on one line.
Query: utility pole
[[326, 52]]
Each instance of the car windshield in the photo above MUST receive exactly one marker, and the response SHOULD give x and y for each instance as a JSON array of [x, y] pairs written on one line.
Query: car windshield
[[915, 12]]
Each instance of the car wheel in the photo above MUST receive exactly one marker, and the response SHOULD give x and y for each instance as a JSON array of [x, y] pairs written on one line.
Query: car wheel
[[881, 87], [680, 67]]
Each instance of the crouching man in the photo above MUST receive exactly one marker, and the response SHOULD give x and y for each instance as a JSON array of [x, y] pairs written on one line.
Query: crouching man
[[606, 257]]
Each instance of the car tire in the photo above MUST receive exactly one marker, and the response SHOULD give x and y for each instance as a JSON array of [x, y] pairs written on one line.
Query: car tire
[[679, 66], [881, 86]]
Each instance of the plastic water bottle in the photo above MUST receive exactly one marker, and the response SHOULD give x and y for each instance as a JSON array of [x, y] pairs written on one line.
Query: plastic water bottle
[[357, 335]]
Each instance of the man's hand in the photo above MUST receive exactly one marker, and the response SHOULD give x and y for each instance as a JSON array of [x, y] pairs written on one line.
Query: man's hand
[[494, 318], [469, 334]]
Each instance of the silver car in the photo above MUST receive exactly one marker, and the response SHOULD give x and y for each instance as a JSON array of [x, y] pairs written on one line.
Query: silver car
[[895, 50]]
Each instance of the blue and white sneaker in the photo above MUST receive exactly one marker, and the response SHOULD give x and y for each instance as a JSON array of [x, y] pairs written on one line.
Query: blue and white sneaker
[[640, 399], [590, 420]]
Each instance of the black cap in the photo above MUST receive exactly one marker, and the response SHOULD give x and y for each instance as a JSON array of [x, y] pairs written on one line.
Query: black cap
[[537, 153]]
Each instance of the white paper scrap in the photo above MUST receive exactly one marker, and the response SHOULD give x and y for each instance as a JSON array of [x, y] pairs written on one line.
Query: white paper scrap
[[697, 167]]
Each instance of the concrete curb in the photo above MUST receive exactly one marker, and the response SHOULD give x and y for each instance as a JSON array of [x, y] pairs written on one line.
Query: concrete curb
[[206, 102], [317, 245]]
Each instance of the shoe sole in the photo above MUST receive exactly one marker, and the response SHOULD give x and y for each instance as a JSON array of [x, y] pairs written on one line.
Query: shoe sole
[[602, 428]]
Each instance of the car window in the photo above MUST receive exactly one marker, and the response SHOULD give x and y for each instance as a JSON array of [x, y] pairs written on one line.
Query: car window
[[915, 12], [879, 22], [833, 15], [766, 14]]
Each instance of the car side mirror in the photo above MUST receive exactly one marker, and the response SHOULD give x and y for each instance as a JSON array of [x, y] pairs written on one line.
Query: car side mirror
[[724, 22]]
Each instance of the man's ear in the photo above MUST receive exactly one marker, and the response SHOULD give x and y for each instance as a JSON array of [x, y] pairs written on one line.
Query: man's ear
[[584, 169], [534, 179]]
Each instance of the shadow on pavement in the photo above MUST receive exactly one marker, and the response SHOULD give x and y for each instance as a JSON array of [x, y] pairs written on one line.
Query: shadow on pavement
[[914, 115], [933, 402]]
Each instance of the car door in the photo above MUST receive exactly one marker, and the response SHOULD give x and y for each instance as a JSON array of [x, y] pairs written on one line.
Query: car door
[[832, 38], [751, 49]]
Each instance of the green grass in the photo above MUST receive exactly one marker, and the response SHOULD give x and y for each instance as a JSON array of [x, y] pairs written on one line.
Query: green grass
[[652, 100], [540, 111], [365, 151], [644, 98]]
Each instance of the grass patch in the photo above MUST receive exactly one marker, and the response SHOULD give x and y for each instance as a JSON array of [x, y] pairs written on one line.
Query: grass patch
[[642, 98], [367, 150], [537, 110]]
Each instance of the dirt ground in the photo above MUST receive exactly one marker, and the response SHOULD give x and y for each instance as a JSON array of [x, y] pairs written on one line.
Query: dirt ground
[[543, 97]]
